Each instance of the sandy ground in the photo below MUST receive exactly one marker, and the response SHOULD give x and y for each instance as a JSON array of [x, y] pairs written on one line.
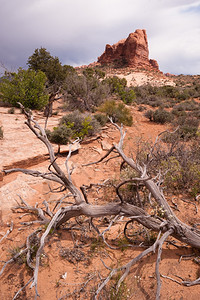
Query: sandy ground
[[58, 277], [141, 78]]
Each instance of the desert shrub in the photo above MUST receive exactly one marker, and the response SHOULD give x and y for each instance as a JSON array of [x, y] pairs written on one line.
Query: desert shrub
[[187, 110], [94, 72], [60, 135], [118, 86], [152, 96], [187, 106], [145, 91], [42, 60], [178, 113], [81, 124], [101, 118], [149, 114], [72, 126], [146, 95], [166, 96], [11, 110], [117, 111], [173, 170], [162, 116], [182, 172], [193, 175], [84, 92], [187, 159], [154, 101], [1, 133], [169, 91], [159, 116], [191, 90], [127, 96], [25, 86], [195, 114], [183, 95], [177, 161], [141, 108], [188, 126]]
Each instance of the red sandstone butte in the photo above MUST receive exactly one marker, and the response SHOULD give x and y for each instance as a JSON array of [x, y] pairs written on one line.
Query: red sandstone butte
[[130, 52]]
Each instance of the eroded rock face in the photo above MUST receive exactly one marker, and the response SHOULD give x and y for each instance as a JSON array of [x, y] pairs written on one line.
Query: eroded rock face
[[130, 52]]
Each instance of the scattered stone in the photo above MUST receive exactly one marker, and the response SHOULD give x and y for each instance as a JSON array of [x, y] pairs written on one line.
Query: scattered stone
[[98, 150], [104, 135], [105, 145], [105, 128], [74, 148]]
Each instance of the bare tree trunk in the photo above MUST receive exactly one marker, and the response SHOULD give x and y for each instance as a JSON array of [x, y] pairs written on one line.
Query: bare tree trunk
[[168, 225], [49, 107]]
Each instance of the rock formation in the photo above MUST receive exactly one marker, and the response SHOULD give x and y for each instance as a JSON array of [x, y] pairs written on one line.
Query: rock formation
[[130, 52]]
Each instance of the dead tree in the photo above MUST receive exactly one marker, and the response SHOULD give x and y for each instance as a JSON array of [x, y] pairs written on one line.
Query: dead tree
[[168, 225], [48, 110]]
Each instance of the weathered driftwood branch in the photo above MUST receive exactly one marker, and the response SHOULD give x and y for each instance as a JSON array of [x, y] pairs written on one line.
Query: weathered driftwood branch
[[170, 225]]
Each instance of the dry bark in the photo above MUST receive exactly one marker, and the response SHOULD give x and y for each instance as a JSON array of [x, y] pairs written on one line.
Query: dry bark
[[168, 225]]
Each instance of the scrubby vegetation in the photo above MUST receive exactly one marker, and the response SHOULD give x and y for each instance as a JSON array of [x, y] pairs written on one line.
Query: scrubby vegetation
[[159, 116], [170, 165], [177, 161], [72, 126], [165, 96], [101, 118], [81, 124], [11, 110], [139, 196], [25, 86], [117, 111], [119, 87], [60, 135], [174, 105], [42, 60], [85, 91]]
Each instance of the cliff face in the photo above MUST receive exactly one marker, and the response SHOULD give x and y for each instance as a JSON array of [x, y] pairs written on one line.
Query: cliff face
[[130, 52]]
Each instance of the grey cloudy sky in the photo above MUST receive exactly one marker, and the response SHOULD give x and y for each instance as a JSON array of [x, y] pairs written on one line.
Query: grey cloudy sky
[[77, 30]]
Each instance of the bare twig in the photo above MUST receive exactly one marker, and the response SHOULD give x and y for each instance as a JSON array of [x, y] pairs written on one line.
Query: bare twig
[[7, 232], [168, 225], [39, 252], [13, 259], [128, 181], [161, 241], [101, 159], [17, 294]]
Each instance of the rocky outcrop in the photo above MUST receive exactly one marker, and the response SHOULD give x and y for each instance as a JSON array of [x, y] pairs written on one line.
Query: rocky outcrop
[[130, 52], [154, 63]]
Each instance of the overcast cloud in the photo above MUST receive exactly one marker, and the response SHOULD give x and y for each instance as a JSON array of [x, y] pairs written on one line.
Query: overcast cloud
[[77, 30]]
